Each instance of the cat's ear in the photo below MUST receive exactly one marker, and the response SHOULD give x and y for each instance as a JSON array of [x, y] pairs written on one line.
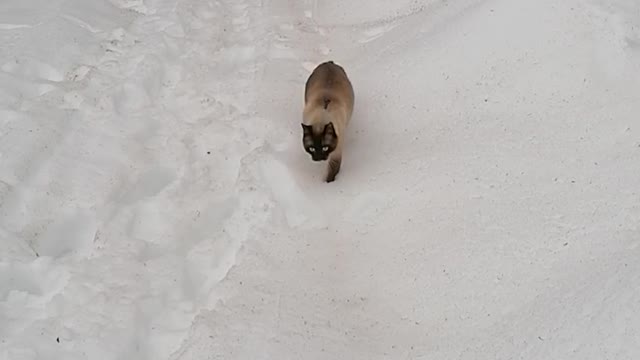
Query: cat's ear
[[329, 129], [306, 129]]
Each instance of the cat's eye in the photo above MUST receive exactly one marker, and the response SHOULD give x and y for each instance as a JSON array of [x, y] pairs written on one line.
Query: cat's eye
[[312, 149], [325, 148]]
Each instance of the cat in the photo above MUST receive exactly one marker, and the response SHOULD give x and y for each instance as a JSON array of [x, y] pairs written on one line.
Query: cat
[[328, 106]]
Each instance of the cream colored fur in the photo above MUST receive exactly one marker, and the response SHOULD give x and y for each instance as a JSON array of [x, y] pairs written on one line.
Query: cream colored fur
[[329, 97]]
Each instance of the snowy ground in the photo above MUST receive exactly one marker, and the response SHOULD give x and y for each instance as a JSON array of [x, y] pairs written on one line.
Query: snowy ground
[[156, 203]]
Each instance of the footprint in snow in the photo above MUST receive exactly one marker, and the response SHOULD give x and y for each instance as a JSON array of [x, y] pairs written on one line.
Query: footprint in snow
[[375, 32]]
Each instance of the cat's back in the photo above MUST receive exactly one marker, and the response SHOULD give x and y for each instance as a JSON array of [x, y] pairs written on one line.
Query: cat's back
[[329, 81]]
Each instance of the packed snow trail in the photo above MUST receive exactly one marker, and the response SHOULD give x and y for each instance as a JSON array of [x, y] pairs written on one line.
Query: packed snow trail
[[156, 203], [487, 206]]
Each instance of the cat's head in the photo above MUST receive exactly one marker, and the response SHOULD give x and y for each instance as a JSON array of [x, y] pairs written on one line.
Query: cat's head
[[319, 144]]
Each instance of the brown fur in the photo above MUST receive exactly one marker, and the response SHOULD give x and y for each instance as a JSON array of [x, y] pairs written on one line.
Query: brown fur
[[329, 99]]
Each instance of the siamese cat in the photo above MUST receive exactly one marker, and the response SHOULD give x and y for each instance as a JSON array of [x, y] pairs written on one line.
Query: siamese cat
[[328, 106]]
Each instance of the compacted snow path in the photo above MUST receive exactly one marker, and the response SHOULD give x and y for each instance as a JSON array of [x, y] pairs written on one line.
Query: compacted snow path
[[487, 206], [156, 203]]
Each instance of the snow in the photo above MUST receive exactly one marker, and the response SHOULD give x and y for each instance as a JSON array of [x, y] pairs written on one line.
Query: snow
[[156, 202]]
